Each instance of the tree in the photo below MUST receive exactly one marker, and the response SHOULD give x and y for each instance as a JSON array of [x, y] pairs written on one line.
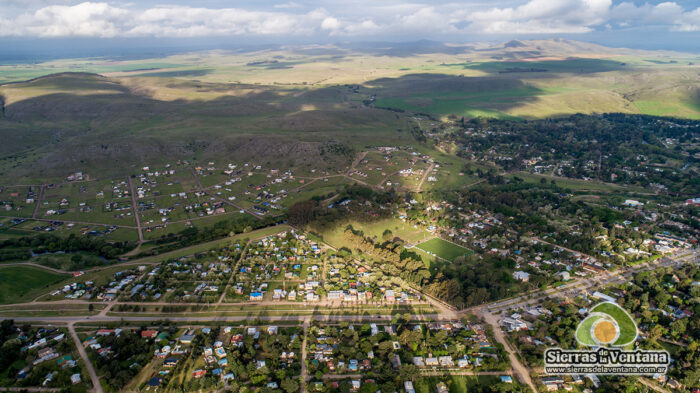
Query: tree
[[301, 213], [290, 385], [387, 235]]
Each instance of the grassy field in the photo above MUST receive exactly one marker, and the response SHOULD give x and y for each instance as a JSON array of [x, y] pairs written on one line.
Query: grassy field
[[400, 229], [214, 106], [213, 244], [455, 383], [443, 249], [579, 184], [23, 283]]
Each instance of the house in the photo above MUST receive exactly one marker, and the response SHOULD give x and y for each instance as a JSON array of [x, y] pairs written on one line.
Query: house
[[513, 324], [227, 377], [199, 373], [442, 388], [187, 338], [564, 275], [149, 333], [633, 203], [673, 384], [506, 379], [408, 387], [522, 276], [155, 382], [552, 383], [75, 379], [446, 361], [389, 295], [694, 201], [256, 296], [170, 362], [604, 297]]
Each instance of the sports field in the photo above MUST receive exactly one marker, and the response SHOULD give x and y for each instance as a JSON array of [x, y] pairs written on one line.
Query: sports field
[[443, 249]]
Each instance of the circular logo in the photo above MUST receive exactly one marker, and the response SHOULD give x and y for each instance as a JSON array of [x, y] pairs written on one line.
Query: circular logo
[[605, 331], [606, 324]]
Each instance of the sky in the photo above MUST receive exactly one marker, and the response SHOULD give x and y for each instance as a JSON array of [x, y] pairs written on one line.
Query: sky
[[33, 26]]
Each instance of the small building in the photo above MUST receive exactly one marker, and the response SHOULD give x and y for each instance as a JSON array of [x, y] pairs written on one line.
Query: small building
[[149, 333], [408, 387]]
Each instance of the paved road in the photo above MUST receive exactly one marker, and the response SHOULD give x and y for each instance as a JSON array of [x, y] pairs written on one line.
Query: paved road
[[222, 318], [587, 283]]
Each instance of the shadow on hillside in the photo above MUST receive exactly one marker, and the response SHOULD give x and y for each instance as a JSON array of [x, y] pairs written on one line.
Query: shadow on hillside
[[440, 94]]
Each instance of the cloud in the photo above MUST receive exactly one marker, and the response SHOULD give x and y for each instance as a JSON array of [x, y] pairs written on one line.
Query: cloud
[[62, 18], [330, 23], [668, 14], [85, 19], [543, 17]]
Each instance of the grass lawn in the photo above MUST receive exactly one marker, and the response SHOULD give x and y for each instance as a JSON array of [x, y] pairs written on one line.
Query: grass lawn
[[455, 383], [258, 233], [398, 228], [22, 283], [583, 331], [579, 184], [628, 330], [443, 249]]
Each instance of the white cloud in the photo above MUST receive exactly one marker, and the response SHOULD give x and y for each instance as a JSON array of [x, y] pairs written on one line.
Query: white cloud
[[58, 18], [330, 23], [689, 21], [543, 16], [85, 19], [664, 14]]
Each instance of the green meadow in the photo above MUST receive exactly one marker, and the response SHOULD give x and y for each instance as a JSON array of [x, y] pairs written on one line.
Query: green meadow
[[24, 283]]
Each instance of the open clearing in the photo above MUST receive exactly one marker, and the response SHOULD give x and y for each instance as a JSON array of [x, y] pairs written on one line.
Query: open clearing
[[21, 283], [443, 249]]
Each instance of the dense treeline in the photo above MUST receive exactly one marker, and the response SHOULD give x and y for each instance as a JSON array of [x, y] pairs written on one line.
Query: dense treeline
[[323, 216], [131, 354], [624, 145], [396, 261], [194, 235], [51, 243]]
